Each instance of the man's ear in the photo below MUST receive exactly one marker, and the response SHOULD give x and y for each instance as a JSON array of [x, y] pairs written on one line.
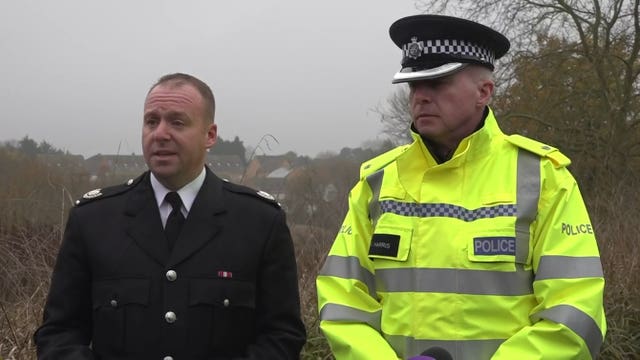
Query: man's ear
[[212, 135], [485, 91]]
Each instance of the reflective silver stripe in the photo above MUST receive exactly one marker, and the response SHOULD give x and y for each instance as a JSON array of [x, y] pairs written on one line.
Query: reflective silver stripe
[[349, 268], [576, 320], [462, 281], [375, 183], [569, 267], [336, 312], [528, 194], [446, 210], [407, 346]]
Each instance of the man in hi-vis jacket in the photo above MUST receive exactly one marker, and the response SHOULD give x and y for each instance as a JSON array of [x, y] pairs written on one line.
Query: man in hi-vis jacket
[[466, 242]]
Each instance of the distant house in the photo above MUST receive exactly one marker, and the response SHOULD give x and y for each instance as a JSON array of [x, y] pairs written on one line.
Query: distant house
[[66, 161], [274, 183], [269, 173], [115, 166], [230, 167], [101, 166], [262, 165], [71, 164]]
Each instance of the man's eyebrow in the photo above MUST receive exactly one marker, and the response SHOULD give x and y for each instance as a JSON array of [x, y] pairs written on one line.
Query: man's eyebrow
[[176, 113], [172, 113]]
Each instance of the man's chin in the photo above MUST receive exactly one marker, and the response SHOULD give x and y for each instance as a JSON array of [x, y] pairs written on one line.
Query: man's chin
[[163, 171], [426, 131], [170, 179]]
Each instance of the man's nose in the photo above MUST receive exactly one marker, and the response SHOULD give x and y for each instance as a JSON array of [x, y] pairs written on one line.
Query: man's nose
[[162, 131], [422, 92]]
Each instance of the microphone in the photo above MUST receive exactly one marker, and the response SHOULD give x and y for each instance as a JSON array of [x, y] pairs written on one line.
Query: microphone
[[433, 353]]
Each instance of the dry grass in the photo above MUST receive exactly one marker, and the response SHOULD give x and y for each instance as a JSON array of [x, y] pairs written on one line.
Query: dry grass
[[312, 245], [615, 217], [26, 259]]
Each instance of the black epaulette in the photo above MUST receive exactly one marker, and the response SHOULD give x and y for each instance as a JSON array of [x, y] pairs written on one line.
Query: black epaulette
[[110, 191], [258, 194]]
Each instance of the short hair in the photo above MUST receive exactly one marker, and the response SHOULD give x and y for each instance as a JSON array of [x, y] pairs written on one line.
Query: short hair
[[181, 79], [481, 72]]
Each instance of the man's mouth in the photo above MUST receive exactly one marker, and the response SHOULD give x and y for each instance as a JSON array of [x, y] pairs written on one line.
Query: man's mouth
[[425, 116], [163, 153]]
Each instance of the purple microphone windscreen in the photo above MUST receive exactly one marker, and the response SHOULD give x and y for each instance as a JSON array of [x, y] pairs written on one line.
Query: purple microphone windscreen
[[437, 353]]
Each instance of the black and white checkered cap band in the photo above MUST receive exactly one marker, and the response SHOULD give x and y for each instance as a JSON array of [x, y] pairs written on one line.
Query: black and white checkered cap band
[[462, 48]]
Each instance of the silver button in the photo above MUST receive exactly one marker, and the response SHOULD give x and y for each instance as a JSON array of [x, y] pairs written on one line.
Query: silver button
[[225, 302], [170, 317], [167, 358], [171, 275], [114, 303]]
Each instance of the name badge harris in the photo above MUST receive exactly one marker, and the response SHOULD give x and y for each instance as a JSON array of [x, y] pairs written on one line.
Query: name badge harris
[[384, 245]]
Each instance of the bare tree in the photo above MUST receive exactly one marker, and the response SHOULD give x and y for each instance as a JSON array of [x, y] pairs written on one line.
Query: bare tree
[[395, 117]]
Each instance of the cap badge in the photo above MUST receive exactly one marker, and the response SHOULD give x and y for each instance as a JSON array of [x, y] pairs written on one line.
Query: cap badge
[[415, 48], [92, 194]]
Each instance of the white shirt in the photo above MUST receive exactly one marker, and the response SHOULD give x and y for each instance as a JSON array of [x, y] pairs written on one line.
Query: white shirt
[[187, 195]]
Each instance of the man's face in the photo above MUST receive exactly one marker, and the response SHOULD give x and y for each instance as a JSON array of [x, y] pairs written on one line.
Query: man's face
[[175, 134], [446, 109]]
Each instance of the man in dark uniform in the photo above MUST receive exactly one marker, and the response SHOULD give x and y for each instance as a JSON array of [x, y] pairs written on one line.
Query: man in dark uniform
[[176, 264]]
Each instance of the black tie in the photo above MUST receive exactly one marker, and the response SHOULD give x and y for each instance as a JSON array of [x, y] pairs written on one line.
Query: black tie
[[175, 219]]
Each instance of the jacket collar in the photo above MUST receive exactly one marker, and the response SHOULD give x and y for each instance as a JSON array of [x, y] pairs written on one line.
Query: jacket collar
[[202, 223], [417, 160]]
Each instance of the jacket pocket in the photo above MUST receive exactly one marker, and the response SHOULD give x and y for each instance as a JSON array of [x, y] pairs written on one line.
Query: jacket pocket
[[230, 307], [496, 249], [390, 242], [118, 309]]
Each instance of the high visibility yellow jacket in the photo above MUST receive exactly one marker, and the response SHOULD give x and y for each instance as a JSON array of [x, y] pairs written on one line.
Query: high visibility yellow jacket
[[489, 255]]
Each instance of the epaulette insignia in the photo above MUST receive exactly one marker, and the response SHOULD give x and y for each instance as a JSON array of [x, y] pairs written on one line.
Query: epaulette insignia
[[540, 149], [92, 194], [259, 194], [266, 195], [106, 192]]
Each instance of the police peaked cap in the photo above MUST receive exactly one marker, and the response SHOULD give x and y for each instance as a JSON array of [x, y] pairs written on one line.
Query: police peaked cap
[[434, 46]]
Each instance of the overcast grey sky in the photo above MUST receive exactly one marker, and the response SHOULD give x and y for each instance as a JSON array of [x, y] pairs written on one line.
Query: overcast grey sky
[[75, 72]]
